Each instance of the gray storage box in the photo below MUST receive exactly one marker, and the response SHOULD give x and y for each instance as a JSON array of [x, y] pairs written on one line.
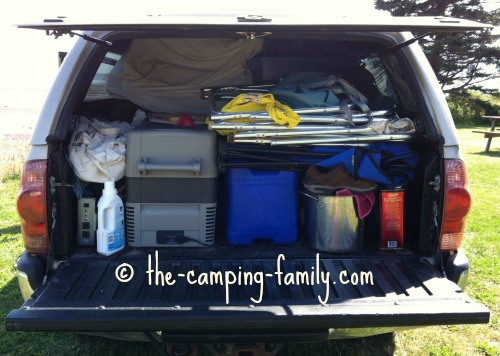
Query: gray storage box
[[171, 195]]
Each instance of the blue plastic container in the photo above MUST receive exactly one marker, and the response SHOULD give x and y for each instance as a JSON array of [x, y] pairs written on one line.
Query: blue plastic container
[[262, 205]]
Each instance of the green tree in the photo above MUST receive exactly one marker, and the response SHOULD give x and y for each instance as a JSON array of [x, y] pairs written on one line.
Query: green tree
[[460, 60]]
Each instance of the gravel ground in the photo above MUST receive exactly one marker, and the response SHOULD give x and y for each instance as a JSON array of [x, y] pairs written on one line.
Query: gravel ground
[[17, 123]]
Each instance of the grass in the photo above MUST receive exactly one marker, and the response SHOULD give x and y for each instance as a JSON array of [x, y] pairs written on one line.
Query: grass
[[14, 150], [482, 246], [481, 243]]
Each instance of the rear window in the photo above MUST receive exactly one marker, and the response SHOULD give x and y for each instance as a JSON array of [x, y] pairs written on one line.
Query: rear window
[[97, 89]]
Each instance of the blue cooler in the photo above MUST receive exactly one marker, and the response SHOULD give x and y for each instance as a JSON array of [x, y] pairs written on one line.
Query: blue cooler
[[262, 205]]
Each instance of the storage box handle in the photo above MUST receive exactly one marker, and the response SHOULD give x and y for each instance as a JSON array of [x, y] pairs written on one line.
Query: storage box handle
[[145, 166]]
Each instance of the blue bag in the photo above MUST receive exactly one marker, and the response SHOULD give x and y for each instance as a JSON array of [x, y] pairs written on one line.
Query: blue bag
[[391, 164]]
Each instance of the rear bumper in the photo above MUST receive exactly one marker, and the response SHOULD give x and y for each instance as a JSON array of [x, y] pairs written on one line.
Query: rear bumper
[[29, 274], [84, 296], [349, 315]]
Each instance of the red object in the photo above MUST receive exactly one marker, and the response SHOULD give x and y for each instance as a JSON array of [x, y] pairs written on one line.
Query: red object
[[457, 203], [364, 201], [185, 121], [32, 207], [392, 219]]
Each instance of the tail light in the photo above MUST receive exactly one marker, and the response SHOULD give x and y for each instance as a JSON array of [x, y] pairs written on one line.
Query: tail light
[[32, 208], [457, 203]]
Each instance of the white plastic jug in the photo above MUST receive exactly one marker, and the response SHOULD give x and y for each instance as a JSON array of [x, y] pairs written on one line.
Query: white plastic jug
[[110, 221]]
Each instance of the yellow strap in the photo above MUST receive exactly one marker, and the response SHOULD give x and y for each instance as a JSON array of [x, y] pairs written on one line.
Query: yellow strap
[[282, 114], [252, 102]]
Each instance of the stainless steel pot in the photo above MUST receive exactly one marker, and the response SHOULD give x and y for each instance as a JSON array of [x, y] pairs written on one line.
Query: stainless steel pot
[[332, 223]]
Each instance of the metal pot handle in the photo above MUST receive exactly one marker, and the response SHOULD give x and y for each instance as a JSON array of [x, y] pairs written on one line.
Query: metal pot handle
[[320, 204]]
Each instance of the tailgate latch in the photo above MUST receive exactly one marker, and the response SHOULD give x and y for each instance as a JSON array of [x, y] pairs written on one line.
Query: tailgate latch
[[253, 18]]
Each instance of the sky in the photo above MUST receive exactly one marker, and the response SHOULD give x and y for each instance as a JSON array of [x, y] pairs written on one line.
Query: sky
[[29, 58]]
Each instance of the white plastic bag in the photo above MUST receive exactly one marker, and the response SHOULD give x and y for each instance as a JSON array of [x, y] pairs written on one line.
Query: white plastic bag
[[97, 150]]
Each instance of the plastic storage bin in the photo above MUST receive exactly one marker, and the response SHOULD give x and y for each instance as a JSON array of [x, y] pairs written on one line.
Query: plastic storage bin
[[262, 205]]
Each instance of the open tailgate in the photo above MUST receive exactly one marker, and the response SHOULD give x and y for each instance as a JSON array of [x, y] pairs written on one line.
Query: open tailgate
[[85, 295]]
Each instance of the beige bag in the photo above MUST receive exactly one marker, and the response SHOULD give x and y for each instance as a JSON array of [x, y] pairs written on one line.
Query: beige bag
[[166, 75]]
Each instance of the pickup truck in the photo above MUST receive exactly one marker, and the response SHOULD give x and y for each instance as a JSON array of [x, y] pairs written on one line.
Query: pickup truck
[[224, 243]]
